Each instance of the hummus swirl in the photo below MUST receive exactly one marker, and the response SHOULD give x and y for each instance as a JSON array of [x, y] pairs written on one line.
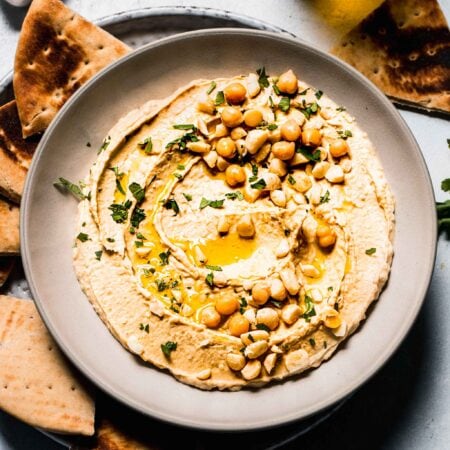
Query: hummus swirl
[[235, 232]]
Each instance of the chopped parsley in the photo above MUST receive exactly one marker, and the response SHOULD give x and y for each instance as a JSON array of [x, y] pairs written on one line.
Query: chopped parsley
[[345, 134], [119, 211], [308, 153], [182, 141], [291, 179], [448, 143], [235, 195], [318, 94], [371, 251], [168, 348], [340, 109], [330, 288], [137, 217], [309, 110], [276, 303], [138, 191], [310, 311], [325, 198], [216, 268], [173, 205], [74, 189], [242, 305], [210, 279], [445, 185], [138, 244], [147, 145], [104, 145], [83, 237], [287, 232], [262, 77], [98, 255], [220, 98], [185, 126], [161, 285], [181, 167], [276, 89], [212, 203], [312, 342], [141, 236], [272, 126], [110, 240], [285, 104], [212, 86], [178, 175], [304, 92], [261, 326], [443, 213], [260, 184], [145, 327], [164, 257], [188, 197]]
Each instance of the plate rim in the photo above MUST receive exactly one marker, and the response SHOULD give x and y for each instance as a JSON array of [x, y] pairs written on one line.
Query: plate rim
[[359, 380]]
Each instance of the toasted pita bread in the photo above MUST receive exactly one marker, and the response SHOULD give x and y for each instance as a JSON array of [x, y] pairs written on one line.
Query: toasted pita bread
[[15, 152], [37, 385], [9, 228], [403, 48], [6, 265], [58, 51]]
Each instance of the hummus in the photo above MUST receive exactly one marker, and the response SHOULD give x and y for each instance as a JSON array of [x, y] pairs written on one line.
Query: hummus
[[236, 232]]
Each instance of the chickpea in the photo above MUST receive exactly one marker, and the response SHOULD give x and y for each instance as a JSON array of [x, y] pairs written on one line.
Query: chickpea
[[253, 117], [234, 175], [245, 227], [332, 319], [238, 325], [235, 93], [226, 147], [268, 317], [326, 235], [277, 290], [290, 130], [235, 361], [260, 293], [227, 305], [210, 317], [339, 148], [311, 137], [283, 150], [231, 117], [288, 83]]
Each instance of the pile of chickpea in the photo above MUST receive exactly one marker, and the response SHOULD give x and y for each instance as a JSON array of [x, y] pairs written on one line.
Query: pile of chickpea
[[240, 130]]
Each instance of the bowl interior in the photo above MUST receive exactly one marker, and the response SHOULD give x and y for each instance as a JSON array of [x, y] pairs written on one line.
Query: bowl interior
[[155, 71]]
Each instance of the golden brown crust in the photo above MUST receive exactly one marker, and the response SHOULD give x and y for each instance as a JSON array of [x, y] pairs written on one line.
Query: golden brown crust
[[58, 51], [9, 228], [404, 48], [37, 385], [15, 152]]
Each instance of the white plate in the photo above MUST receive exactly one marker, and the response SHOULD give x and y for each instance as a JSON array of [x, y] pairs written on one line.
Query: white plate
[[156, 70]]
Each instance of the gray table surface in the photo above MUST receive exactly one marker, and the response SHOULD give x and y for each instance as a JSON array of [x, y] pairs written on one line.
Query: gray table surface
[[407, 404]]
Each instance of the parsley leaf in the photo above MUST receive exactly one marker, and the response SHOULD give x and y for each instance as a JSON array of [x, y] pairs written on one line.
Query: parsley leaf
[[74, 189], [285, 104], [120, 211], [340, 109], [164, 257], [318, 94], [210, 279], [371, 251], [212, 86], [312, 342], [173, 205], [272, 126], [188, 197], [181, 167], [291, 179], [185, 126], [137, 217], [234, 195], [183, 140], [309, 110], [242, 305], [147, 145], [276, 89], [161, 285], [445, 185], [262, 77], [325, 197], [310, 311], [212, 203], [138, 191], [145, 327], [168, 348], [220, 99], [345, 134], [216, 268], [104, 145], [311, 155], [83, 237], [260, 184], [138, 244], [262, 326], [98, 255]]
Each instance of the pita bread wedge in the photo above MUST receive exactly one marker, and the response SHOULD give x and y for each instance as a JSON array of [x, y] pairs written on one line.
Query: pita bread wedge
[[6, 266], [37, 385], [58, 51], [15, 152], [9, 228], [403, 47]]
